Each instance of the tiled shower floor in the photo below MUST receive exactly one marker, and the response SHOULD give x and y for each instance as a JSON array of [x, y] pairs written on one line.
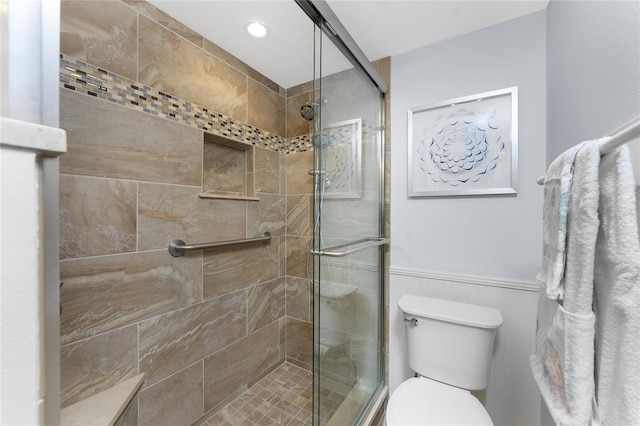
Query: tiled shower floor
[[282, 397]]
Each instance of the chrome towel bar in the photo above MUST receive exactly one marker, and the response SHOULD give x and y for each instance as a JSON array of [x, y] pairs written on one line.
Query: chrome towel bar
[[373, 242], [622, 135], [178, 248]]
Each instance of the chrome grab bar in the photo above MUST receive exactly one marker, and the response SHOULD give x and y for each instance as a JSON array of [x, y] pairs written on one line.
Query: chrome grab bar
[[178, 248], [374, 241]]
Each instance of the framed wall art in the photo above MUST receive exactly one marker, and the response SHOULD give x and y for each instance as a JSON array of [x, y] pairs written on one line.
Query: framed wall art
[[464, 146], [341, 155]]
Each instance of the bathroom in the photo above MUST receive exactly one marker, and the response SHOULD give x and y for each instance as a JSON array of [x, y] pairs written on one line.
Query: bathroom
[[118, 214]]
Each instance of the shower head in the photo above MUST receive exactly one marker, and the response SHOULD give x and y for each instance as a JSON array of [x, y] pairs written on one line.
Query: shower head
[[308, 110]]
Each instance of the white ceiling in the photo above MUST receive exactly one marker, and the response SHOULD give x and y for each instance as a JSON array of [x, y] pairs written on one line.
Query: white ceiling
[[380, 27]]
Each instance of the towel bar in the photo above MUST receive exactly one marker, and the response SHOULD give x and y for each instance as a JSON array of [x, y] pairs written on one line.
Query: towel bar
[[372, 242]]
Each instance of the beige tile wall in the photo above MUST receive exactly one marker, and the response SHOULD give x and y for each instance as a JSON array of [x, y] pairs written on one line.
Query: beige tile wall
[[134, 39], [299, 214], [154, 150], [205, 326], [111, 24]]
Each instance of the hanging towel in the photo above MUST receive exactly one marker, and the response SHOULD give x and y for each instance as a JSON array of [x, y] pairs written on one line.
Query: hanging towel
[[617, 294], [557, 184], [562, 361]]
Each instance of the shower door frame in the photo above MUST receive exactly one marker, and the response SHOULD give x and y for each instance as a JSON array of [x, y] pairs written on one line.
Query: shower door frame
[[325, 19], [322, 15]]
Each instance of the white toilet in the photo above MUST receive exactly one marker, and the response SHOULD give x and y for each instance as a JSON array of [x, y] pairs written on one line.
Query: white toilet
[[449, 346]]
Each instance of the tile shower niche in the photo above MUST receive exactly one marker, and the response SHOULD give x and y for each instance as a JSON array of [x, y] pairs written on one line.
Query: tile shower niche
[[228, 169]]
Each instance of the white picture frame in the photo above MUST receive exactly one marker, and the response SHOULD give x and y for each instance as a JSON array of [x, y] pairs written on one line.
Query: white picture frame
[[464, 146]]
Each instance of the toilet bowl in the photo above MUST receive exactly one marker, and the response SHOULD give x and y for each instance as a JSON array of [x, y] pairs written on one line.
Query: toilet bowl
[[450, 347], [422, 401]]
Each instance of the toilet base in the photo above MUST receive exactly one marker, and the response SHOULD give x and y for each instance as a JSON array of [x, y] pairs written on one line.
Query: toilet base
[[422, 401]]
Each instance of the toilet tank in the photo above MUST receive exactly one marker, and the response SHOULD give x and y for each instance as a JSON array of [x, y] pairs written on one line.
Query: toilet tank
[[450, 342]]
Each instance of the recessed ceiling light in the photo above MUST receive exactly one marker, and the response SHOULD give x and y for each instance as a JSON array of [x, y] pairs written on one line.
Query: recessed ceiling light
[[257, 29]]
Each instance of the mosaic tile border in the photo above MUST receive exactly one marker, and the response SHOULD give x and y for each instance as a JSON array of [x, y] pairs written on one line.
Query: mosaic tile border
[[81, 77], [299, 143]]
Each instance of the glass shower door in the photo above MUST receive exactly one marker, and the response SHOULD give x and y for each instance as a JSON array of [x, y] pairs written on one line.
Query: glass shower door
[[348, 241]]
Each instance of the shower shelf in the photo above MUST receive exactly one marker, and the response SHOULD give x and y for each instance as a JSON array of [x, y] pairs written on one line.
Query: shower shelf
[[228, 169], [104, 408], [219, 196]]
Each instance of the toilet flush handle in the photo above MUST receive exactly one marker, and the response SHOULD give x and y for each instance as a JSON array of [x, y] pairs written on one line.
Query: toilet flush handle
[[413, 321]]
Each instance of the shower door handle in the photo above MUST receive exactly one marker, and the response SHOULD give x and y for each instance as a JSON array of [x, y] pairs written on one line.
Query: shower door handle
[[372, 242]]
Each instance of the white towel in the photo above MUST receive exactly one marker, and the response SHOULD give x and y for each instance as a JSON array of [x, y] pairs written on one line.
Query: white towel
[[562, 362], [617, 294], [557, 184]]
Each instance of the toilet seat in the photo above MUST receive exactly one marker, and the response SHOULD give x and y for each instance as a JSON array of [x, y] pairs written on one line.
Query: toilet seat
[[421, 401]]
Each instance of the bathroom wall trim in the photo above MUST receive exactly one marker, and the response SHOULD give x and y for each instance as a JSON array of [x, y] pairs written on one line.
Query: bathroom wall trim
[[468, 279]]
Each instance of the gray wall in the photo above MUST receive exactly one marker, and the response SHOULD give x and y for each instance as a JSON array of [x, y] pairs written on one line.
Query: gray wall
[[593, 70], [447, 247], [577, 66], [497, 236]]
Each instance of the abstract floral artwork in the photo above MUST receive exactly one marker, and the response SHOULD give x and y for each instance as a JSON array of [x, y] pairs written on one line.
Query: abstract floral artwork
[[341, 157], [464, 146]]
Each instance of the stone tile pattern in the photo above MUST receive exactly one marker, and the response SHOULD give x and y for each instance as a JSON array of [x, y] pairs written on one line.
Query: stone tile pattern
[[131, 53], [128, 307], [94, 81], [282, 397], [204, 327], [135, 40]]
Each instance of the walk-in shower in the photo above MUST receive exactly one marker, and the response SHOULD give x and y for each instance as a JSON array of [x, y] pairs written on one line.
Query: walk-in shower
[[275, 310]]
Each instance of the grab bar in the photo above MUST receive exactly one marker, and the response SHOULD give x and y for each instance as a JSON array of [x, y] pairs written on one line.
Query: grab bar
[[178, 248], [374, 242]]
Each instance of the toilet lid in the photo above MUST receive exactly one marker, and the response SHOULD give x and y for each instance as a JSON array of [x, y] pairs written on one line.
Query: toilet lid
[[421, 401]]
